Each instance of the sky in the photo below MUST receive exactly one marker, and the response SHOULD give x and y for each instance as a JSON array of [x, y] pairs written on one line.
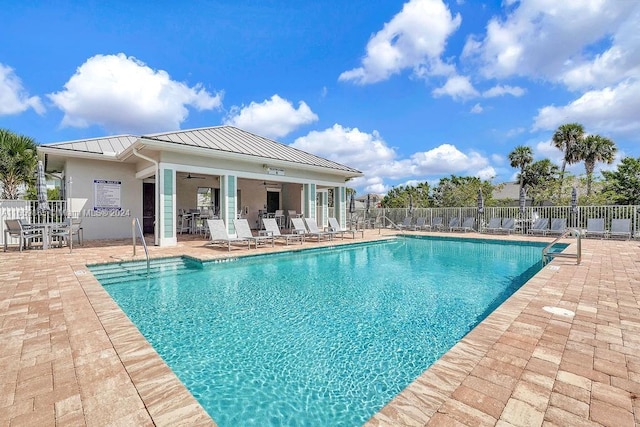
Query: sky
[[404, 91]]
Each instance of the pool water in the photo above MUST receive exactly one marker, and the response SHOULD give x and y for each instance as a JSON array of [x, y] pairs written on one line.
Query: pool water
[[320, 337]]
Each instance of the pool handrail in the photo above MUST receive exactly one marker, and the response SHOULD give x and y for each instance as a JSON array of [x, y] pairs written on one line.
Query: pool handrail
[[135, 222], [578, 255]]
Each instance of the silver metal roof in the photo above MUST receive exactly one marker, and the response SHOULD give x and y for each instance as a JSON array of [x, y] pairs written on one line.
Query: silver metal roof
[[220, 138]]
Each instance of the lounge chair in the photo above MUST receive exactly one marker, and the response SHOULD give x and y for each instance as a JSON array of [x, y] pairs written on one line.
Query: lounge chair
[[436, 224], [495, 225], [595, 228], [271, 227], [14, 228], [220, 236], [300, 227], [558, 226], [244, 231], [467, 225], [454, 223], [336, 229], [508, 225], [406, 224], [421, 224], [540, 226], [620, 228]]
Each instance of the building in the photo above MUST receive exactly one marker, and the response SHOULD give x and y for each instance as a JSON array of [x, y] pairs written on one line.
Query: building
[[108, 181]]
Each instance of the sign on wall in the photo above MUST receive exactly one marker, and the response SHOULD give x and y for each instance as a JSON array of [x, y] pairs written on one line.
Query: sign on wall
[[107, 194]]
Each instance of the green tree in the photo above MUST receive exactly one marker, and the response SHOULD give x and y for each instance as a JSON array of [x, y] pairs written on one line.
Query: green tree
[[461, 191], [593, 149], [18, 160], [565, 138], [623, 184], [398, 197], [540, 179], [521, 157]]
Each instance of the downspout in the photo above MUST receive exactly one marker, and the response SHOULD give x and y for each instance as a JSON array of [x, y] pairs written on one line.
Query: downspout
[[157, 197]]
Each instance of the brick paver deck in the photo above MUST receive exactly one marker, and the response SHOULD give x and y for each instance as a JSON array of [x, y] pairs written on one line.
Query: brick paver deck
[[69, 355]]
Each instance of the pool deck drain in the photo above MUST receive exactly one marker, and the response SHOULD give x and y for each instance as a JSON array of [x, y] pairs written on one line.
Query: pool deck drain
[[69, 355]]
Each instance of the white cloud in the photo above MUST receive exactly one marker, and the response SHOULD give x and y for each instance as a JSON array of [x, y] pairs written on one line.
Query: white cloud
[[487, 173], [555, 40], [124, 95], [608, 111], [476, 109], [274, 118], [414, 39], [500, 90], [457, 87], [13, 98], [369, 153]]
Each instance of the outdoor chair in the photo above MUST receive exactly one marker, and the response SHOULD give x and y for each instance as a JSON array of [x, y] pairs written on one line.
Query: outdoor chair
[[620, 228], [272, 229], [558, 226], [493, 226], [421, 224], [595, 228], [508, 225], [336, 229], [279, 217], [436, 224], [300, 227], [454, 223], [467, 225], [220, 236], [65, 232], [314, 230], [540, 226], [14, 228], [244, 231], [406, 223]]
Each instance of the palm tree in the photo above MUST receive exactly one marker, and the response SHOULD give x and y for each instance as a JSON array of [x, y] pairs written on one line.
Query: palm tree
[[18, 160], [521, 157], [565, 138], [593, 149]]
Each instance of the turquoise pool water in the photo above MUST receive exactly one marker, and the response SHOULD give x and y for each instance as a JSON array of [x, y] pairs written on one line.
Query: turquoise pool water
[[320, 337]]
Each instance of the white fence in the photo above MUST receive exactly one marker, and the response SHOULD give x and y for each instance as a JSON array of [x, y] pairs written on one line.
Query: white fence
[[26, 210]]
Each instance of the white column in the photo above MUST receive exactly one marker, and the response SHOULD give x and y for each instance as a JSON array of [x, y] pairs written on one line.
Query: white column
[[167, 213]]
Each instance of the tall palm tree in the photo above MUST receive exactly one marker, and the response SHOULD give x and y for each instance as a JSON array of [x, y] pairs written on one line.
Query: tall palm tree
[[521, 157], [593, 149], [565, 138], [18, 160]]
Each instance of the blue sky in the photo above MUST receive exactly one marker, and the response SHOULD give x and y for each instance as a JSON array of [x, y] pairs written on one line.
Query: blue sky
[[403, 91]]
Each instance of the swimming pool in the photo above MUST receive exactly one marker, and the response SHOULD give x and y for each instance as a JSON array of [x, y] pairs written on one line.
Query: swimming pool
[[317, 337]]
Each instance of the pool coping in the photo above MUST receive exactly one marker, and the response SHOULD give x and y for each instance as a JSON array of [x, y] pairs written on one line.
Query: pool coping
[[512, 345]]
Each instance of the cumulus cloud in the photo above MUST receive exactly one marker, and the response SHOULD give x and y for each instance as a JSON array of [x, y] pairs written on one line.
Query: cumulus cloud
[[610, 110], [274, 118], [414, 39], [369, 153], [500, 90], [13, 97], [553, 40], [123, 95], [457, 87]]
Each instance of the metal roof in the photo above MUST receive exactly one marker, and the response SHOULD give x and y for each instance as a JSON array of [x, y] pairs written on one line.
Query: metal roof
[[220, 138]]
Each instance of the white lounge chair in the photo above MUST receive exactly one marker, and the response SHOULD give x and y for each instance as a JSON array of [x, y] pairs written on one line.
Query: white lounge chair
[[508, 225], [14, 228], [620, 228], [558, 226], [541, 226], [595, 228], [220, 236], [300, 227], [467, 225], [336, 229], [436, 224], [495, 225], [421, 224], [244, 231], [271, 227], [454, 223], [314, 230]]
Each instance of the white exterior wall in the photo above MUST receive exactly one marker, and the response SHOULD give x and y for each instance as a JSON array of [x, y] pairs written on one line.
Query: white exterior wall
[[82, 173]]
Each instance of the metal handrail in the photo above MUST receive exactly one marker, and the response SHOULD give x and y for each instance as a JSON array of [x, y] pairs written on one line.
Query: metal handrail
[[577, 255], [144, 243], [387, 219]]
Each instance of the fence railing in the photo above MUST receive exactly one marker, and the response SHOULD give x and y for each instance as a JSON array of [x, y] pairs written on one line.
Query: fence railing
[[27, 211]]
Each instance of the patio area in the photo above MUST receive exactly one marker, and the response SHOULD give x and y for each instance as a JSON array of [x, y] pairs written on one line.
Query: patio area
[[71, 357]]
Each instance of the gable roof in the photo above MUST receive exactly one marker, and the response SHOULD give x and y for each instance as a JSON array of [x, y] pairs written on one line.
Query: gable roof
[[228, 139]]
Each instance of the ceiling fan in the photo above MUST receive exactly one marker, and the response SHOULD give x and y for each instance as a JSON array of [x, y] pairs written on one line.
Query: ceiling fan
[[189, 176]]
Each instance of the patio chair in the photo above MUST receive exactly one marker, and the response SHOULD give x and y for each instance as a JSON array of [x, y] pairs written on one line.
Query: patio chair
[[220, 236], [558, 226], [421, 224], [495, 224], [454, 223], [314, 230], [244, 231], [14, 228], [467, 225], [279, 217], [67, 229], [540, 226], [335, 228], [508, 225], [595, 228], [300, 228], [620, 228], [271, 227], [436, 224], [406, 223]]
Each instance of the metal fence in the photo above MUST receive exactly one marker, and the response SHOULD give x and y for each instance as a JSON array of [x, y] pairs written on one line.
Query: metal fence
[[27, 211]]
